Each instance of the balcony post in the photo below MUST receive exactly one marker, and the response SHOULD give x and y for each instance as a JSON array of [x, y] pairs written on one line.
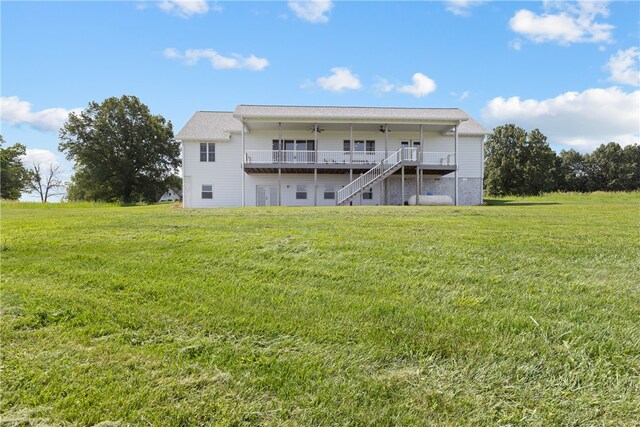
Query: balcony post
[[420, 155], [315, 143], [386, 138], [351, 144], [315, 187]]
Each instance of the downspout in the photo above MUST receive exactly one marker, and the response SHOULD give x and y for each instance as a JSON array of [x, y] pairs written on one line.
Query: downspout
[[455, 156], [279, 163], [244, 153]]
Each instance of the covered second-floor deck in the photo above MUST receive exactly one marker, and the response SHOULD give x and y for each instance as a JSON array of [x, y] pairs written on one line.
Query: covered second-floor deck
[[347, 140], [305, 161]]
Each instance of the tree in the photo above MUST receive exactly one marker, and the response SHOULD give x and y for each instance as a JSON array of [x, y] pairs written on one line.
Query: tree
[[121, 151], [572, 174], [517, 162], [612, 168], [46, 183], [13, 175]]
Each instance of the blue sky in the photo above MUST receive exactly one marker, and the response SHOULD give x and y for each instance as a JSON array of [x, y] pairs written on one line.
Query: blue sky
[[568, 68]]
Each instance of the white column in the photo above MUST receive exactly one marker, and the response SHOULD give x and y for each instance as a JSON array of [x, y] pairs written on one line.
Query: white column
[[455, 155], [315, 187], [242, 165], [402, 185], [386, 139], [351, 145], [315, 143], [421, 146]]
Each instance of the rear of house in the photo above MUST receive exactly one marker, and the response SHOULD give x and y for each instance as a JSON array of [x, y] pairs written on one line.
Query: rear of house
[[326, 156]]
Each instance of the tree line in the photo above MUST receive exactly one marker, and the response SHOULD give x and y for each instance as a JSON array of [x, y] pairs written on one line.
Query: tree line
[[123, 153], [522, 163]]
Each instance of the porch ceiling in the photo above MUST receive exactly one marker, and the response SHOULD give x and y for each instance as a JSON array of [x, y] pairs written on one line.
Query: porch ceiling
[[440, 127]]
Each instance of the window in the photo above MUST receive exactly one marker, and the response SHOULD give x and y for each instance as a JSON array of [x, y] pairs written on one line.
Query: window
[[329, 192], [359, 145], [207, 152], [207, 191], [301, 192], [290, 144], [367, 194]]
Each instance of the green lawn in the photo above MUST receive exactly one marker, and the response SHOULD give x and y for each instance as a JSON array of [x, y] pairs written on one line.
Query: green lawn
[[523, 312]]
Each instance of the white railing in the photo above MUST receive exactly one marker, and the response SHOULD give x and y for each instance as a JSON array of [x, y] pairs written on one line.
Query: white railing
[[376, 172], [441, 159], [321, 157]]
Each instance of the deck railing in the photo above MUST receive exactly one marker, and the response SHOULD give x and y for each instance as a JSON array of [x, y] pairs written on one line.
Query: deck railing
[[345, 157]]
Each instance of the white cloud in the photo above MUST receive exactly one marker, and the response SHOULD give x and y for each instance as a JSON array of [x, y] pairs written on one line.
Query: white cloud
[[35, 156], [383, 85], [462, 7], [461, 96], [14, 111], [341, 79], [623, 67], [583, 120], [219, 62], [314, 11], [421, 86], [565, 23], [186, 8], [515, 44]]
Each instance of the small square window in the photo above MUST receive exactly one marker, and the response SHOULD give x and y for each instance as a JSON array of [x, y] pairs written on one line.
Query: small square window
[[329, 192], [207, 191], [367, 194], [301, 192]]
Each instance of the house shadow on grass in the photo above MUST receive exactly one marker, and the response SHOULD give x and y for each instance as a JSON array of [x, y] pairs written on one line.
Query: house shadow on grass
[[516, 202]]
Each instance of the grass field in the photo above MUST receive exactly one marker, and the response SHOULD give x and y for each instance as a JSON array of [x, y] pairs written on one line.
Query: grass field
[[524, 312]]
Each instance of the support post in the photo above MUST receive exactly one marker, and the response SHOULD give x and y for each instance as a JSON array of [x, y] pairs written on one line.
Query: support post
[[315, 143], [402, 186], [386, 140], [351, 147], [315, 187], [455, 156], [244, 151], [421, 153]]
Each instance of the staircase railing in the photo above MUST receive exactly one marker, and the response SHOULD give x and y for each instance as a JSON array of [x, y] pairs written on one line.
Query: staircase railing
[[372, 175]]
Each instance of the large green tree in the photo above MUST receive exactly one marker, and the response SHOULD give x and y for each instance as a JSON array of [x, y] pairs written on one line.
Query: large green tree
[[572, 173], [121, 151], [613, 168], [14, 177], [517, 162]]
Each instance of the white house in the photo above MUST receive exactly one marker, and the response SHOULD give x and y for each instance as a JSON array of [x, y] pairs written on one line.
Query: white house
[[267, 155], [171, 195]]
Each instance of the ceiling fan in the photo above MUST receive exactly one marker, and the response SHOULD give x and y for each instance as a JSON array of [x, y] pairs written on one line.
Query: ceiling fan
[[382, 129], [319, 130]]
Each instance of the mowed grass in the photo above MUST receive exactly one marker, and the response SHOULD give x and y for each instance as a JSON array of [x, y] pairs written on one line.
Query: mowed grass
[[523, 312]]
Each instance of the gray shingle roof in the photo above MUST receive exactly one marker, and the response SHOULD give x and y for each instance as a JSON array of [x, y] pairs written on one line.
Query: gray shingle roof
[[210, 125], [472, 127], [217, 126], [347, 113]]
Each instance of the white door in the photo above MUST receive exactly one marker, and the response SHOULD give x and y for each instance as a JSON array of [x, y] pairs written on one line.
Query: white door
[[266, 195], [415, 148]]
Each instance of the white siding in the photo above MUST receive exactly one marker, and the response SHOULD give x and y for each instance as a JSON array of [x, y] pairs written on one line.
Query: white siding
[[225, 174]]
